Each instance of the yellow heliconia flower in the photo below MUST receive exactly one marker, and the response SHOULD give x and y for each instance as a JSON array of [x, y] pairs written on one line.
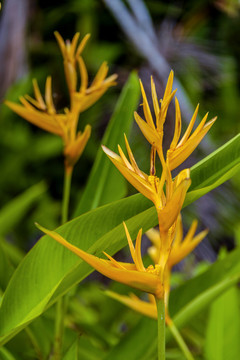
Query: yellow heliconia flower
[[180, 151], [134, 275], [43, 114], [180, 249], [85, 96], [168, 208], [153, 131]]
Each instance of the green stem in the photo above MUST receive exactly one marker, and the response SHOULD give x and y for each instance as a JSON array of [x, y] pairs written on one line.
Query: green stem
[[178, 337], [161, 328], [59, 328], [66, 194], [61, 303]]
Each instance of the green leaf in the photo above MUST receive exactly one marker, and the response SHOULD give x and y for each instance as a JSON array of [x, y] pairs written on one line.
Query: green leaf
[[104, 183], [222, 340], [226, 268], [6, 268], [15, 210], [203, 300], [214, 169]]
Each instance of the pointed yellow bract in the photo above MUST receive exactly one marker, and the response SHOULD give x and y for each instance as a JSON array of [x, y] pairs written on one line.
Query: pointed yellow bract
[[134, 275], [42, 112]]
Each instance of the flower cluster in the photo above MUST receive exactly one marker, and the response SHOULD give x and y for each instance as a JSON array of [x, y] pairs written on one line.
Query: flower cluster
[[42, 112], [167, 194]]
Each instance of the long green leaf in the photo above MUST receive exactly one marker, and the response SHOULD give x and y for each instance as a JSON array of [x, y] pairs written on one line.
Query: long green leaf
[[222, 340], [104, 184]]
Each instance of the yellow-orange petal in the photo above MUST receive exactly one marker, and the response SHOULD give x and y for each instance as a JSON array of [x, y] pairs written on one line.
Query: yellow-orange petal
[[61, 43], [145, 308], [180, 154], [185, 248], [151, 134], [178, 125], [38, 95], [101, 74], [189, 128], [146, 109], [155, 98], [169, 214], [169, 86], [40, 119], [144, 281], [82, 45], [138, 182], [83, 74]]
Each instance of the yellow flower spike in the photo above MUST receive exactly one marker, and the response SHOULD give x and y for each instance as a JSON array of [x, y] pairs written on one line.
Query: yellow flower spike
[[143, 280], [179, 152]]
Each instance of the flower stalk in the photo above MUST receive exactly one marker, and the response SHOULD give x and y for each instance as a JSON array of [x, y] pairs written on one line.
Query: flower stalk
[[161, 327], [66, 194]]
